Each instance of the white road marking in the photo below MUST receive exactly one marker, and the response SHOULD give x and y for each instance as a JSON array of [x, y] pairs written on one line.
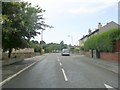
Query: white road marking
[[108, 86], [8, 79], [58, 59], [65, 77], [60, 64]]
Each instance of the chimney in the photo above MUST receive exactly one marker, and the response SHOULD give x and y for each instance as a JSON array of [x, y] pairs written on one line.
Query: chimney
[[99, 25], [89, 31]]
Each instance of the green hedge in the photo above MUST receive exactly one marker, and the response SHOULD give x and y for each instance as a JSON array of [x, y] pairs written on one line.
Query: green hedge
[[104, 41]]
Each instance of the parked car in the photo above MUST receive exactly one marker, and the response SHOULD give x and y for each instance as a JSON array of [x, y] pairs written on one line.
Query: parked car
[[65, 52]]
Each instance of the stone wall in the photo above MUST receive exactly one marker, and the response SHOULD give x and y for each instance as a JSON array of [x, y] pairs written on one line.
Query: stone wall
[[21, 53]]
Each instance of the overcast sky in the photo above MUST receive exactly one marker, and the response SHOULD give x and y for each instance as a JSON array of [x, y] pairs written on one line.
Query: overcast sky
[[75, 17]]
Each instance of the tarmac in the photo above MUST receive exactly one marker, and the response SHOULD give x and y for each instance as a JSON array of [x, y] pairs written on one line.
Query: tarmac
[[8, 71]]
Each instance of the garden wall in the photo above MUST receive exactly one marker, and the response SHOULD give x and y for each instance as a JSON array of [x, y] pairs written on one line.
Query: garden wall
[[110, 56], [117, 46]]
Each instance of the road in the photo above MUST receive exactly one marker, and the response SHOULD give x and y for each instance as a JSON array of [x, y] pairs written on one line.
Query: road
[[57, 71]]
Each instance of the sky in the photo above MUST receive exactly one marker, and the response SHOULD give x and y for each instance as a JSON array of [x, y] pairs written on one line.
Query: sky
[[72, 19]]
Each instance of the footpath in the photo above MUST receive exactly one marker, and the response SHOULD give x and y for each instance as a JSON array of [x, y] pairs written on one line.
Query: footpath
[[9, 71], [106, 64]]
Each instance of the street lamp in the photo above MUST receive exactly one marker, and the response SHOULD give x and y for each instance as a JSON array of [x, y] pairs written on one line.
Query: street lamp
[[42, 40], [71, 39]]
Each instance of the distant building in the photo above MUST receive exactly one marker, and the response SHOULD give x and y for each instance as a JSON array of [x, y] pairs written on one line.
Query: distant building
[[100, 29]]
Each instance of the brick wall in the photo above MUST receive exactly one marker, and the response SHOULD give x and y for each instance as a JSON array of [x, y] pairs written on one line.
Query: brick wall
[[117, 46], [110, 56]]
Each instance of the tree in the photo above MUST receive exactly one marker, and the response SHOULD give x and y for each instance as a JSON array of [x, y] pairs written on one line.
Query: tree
[[34, 41], [35, 45], [20, 23], [42, 42], [62, 45]]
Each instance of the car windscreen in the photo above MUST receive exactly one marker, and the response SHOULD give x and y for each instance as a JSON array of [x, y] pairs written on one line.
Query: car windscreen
[[66, 50]]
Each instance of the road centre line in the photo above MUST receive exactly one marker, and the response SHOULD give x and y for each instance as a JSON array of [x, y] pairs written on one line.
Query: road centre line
[[109, 87], [65, 77], [63, 71], [58, 59], [60, 64]]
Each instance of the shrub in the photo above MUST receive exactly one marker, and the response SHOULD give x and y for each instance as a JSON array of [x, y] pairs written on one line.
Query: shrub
[[104, 41]]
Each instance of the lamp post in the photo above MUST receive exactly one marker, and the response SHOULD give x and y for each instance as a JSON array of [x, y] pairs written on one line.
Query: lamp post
[[71, 39], [42, 41], [42, 35]]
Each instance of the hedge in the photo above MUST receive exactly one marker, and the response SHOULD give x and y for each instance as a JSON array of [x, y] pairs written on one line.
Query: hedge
[[104, 41]]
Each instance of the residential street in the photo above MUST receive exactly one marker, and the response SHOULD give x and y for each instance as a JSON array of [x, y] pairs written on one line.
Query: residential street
[[56, 71]]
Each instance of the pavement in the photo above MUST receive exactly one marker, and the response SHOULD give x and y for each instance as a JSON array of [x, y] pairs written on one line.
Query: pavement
[[107, 64]]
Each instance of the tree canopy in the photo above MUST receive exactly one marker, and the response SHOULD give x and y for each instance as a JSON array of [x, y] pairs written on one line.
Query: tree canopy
[[21, 22]]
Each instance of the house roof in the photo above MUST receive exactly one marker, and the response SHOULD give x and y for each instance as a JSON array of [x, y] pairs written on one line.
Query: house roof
[[89, 34], [83, 37], [97, 30], [93, 32]]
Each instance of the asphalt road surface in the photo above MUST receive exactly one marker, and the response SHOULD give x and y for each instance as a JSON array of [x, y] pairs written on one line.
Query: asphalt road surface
[[57, 71]]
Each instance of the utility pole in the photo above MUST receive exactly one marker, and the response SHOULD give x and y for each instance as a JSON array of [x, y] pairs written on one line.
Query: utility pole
[[42, 35], [42, 41]]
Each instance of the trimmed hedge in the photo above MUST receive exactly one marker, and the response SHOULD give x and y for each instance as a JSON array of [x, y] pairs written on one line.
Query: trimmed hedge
[[104, 41]]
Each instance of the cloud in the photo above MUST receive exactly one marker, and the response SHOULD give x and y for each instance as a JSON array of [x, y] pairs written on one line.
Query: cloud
[[73, 6], [92, 6]]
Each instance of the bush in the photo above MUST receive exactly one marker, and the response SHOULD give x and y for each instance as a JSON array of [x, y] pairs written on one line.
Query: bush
[[104, 41]]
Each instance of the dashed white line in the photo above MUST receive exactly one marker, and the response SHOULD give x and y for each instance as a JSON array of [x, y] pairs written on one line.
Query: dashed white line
[[60, 64], [108, 86], [63, 71], [58, 59], [65, 77]]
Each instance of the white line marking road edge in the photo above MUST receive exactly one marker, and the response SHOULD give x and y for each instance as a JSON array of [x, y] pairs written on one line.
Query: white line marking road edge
[[109, 87], [8, 79], [65, 77]]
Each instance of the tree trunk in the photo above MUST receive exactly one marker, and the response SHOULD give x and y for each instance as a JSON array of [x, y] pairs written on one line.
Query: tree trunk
[[9, 54]]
